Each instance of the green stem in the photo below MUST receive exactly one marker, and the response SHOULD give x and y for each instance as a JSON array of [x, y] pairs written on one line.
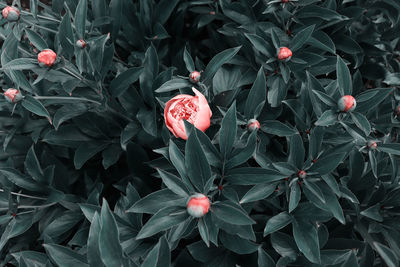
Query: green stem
[[24, 195], [67, 98]]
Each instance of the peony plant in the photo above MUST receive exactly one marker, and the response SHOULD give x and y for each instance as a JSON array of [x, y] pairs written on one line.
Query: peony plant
[[199, 133]]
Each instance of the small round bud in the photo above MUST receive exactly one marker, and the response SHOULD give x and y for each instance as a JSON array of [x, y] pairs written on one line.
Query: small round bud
[[13, 95], [347, 103], [284, 53], [302, 174], [284, 1], [372, 145], [81, 43], [47, 57], [10, 13], [253, 125], [194, 76], [198, 205]]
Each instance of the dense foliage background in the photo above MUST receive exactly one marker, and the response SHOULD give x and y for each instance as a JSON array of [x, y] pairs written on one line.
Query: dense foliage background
[[91, 176]]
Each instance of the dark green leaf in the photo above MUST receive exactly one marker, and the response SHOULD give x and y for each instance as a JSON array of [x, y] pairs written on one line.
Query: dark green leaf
[[306, 237], [227, 133], [231, 213], [219, 60], [277, 222], [256, 95]]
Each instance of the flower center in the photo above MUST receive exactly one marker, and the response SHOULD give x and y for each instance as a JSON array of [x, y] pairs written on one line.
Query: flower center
[[185, 109]]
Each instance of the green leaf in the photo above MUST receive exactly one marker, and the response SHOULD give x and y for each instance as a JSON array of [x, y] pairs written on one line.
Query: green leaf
[[277, 128], [36, 40], [159, 256], [264, 260], [277, 222], [389, 148], [66, 35], [121, 83], [362, 122], [116, 15], [306, 237], [295, 196], [256, 95], [33, 167], [260, 44], [64, 256], [373, 213], [344, 79], [237, 244], [231, 213], [296, 151], [203, 231], [86, 151], [188, 59], [328, 164], [174, 84], [314, 189], [284, 245], [163, 10], [252, 176], [68, 112], [109, 242], [35, 106], [227, 133], [173, 183], [80, 18], [162, 220], [244, 153], [325, 98], [327, 118], [275, 39], [20, 64], [93, 247], [258, 192], [388, 256], [301, 38], [197, 166], [155, 201], [217, 61]]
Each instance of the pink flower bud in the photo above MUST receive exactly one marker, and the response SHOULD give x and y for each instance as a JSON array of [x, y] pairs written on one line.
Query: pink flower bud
[[13, 95], [47, 57], [81, 43], [347, 103], [10, 13], [253, 125], [302, 174], [194, 76], [198, 205], [284, 53], [372, 145], [194, 109]]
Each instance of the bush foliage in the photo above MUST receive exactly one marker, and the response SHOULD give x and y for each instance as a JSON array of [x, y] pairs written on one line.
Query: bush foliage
[[91, 176]]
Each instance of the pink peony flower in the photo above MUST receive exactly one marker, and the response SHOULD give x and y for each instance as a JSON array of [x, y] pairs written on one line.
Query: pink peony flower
[[194, 109], [10, 13], [194, 76], [284, 53], [198, 205], [302, 174], [47, 57], [81, 43], [13, 95], [253, 125], [347, 103]]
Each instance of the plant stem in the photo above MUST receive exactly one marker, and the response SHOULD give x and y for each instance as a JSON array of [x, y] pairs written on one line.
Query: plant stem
[[67, 98]]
